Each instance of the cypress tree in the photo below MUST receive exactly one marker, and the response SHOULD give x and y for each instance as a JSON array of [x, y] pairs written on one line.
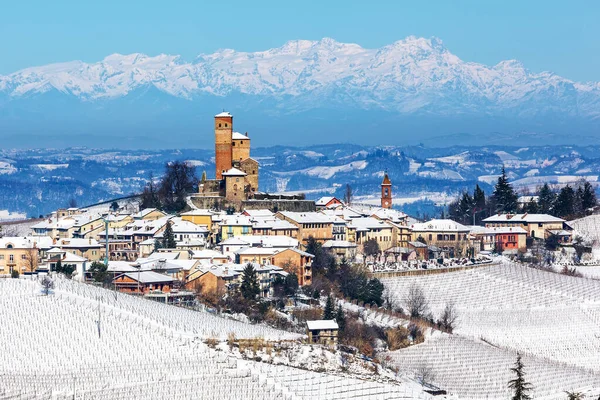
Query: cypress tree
[[250, 287], [519, 385], [479, 202], [329, 311]]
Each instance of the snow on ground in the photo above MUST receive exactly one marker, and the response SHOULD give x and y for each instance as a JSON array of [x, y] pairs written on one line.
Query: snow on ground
[[532, 172], [455, 159], [326, 172], [196, 163], [489, 179], [504, 156], [7, 168], [553, 318], [436, 197], [50, 167], [87, 342], [443, 174], [533, 182]]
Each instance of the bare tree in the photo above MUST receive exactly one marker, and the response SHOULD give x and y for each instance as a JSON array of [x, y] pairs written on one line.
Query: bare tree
[[31, 259], [425, 374], [348, 194], [415, 302], [47, 284], [449, 318]]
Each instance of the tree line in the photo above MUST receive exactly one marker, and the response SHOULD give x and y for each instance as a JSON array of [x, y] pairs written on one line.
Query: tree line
[[568, 203], [170, 193]]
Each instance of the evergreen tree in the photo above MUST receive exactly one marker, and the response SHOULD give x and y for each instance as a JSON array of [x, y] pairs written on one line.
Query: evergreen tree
[[466, 209], [157, 244], [480, 204], [374, 292], [564, 206], [371, 247], [531, 207], [250, 287], [99, 272], [546, 199], [114, 206], [588, 197], [290, 284], [340, 318], [168, 241], [504, 197], [58, 267], [519, 385], [329, 311]]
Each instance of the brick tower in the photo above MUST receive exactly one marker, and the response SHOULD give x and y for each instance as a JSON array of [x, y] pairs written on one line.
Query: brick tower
[[386, 192], [223, 133]]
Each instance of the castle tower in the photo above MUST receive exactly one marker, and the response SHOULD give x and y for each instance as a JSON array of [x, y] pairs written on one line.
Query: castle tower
[[386, 192], [240, 149], [223, 133]]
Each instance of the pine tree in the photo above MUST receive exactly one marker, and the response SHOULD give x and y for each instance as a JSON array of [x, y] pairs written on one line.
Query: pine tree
[[168, 241], [157, 244], [249, 287], [329, 311], [519, 385], [588, 197], [340, 318], [504, 197], [564, 206], [466, 208], [546, 199], [531, 207], [479, 203]]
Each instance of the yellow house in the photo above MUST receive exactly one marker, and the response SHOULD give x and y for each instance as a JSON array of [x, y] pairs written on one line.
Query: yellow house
[[149, 214], [18, 254], [199, 217], [119, 221], [310, 224], [235, 225]]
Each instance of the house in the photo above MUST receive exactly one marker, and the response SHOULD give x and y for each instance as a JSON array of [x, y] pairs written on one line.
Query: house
[[420, 249], [295, 261], [210, 256], [310, 224], [67, 258], [536, 225], [86, 248], [235, 225], [149, 214], [272, 226], [199, 217], [185, 230], [341, 248], [368, 228], [499, 239], [261, 255], [327, 202], [143, 282], [21, 254], [451, 238], [322, 331]]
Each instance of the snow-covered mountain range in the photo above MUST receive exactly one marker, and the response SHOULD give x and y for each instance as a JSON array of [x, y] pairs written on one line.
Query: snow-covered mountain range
[[414, 77]]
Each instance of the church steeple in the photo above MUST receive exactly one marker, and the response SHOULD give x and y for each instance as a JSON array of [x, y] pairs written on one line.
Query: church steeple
[[386, 192]]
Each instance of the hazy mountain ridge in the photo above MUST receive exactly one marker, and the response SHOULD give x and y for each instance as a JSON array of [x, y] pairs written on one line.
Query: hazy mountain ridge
[[38, 181]]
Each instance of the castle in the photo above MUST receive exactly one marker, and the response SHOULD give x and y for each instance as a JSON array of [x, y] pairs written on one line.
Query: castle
[[236, 173]]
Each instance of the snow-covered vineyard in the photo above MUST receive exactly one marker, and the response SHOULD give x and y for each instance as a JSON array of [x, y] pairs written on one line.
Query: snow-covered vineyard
[[552, 319], [85, 342]]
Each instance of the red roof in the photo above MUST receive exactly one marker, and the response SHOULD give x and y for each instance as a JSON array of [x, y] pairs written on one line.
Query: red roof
[[386, 180]]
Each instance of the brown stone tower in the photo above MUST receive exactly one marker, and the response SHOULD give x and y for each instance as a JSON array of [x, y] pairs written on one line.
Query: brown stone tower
[[223, 133], [386, 192]]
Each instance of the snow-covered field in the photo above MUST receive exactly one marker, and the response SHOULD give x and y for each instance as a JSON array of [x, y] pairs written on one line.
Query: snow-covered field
[[85, 342], [552, 318]]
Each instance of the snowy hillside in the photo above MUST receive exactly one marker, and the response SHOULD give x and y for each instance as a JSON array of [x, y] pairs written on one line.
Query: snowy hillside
[[90, 343]]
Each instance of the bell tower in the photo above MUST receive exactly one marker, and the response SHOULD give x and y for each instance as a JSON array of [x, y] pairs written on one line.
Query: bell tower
[[386, 192], [223, 133]]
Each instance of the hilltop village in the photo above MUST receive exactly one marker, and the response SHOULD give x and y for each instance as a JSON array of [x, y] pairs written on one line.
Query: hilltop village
[[266, 285]]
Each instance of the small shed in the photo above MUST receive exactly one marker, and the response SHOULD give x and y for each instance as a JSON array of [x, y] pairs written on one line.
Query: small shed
[[322, 331]]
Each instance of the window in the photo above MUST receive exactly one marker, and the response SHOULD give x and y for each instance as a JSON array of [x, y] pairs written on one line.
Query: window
[[540, 225], [219, 125], [233, 144], [439, 237], [23, 257], [1, 256], [241, 142], [9, 246], [225, 124], [431, 236], [11, 257]]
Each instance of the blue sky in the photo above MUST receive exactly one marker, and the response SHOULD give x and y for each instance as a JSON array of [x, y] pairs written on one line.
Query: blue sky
[[559, 36]]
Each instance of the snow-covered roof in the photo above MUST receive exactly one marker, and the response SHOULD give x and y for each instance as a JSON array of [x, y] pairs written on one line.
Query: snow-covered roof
[[519, 218], [199, 211], [266, 251], [322, 324], [270, 241], [236, 220], [207, 254], [323, 201], [234, 172], [439, 225], [497, 230], [224, 114], [307, 217], [148, 277], [259, 213], [77, 243], [239, 136], [120, 266], [332, 244]]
